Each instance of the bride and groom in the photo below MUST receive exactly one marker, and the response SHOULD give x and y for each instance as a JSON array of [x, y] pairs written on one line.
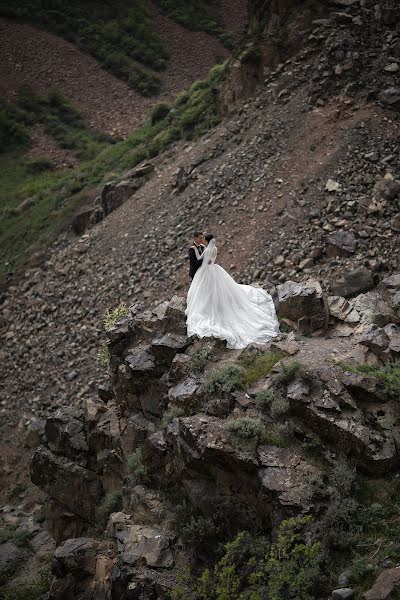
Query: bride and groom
[[219, 307]]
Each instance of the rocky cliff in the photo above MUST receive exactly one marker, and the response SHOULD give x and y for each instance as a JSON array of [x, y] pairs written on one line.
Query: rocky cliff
[[189, 443]]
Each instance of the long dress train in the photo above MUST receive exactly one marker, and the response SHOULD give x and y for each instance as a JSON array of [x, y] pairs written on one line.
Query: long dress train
[[218, 306]]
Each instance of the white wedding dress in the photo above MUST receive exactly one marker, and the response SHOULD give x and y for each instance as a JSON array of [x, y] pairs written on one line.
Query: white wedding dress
[[219, 307]]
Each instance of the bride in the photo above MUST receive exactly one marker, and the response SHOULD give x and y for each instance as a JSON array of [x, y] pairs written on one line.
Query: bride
[[218, 306]]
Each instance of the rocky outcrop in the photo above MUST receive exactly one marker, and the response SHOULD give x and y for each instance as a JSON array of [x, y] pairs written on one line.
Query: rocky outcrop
[[159, 423], [303, 305]]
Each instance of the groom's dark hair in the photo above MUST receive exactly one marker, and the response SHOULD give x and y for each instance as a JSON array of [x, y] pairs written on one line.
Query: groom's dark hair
[[209, 237], [197, 233]]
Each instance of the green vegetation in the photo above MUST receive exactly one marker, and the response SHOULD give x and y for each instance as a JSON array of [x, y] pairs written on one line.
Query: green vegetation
[[291, 567], [118, 34], [389, 375], [255, 432], [25, 591], [226, 380], [103, 355], [242, 375], [258, 366], [290, 371], [56, 195], [199, 358], [272, 400], [113, 315], [170, 414], [137, 466], [21, 538], [13, 126], [196, 15], [111, 503]]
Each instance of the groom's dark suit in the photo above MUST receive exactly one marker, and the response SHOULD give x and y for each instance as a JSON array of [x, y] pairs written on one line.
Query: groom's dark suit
[[195, 263]]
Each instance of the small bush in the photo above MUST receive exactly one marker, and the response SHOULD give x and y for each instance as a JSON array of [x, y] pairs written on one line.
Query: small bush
[[103, 355], [389, 375], [279, 406], [40, 164], [111, 503], [199, 358], [172, 413], [290, 371], [258, 366], [226, 380], [264, 399], [255, 432], [159, 112], [34, 590], [22, 538], [135, 463], [113, 315]]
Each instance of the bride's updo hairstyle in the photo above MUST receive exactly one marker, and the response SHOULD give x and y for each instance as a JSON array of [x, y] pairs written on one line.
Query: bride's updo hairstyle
[[208, 237]]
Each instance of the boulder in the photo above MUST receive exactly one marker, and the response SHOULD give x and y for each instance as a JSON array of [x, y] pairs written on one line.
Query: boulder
[[184, 392], [353, 283], [114, 194], [389, 289], [343, 310], [34, 433], [286, 475], [390, 96], [66, 434], [341, 243], [384, 342], [384, 585], [303, 305], [356, 417], [76, 555], [81, 221], [77, 488], [166, 347], [180, 367], [142, 545]]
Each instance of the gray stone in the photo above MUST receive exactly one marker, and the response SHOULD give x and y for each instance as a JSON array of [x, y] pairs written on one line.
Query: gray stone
[[303, 305], [340, 243], [353, 283]]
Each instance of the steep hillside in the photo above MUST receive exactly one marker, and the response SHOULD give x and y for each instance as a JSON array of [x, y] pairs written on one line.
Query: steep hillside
[[298, 178]]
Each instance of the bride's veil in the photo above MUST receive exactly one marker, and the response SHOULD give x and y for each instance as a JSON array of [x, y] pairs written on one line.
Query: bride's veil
[[208, 253]]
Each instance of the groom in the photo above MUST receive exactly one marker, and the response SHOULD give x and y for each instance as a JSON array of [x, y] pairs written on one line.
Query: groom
[[195, 252]]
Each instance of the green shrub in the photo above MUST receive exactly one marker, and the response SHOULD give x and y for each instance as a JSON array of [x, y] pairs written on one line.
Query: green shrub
[[258, 366], [255, 432], [34, 590], [289, 568], [38, 165], [103, 355], [22, 538], [13, 126], [111, 503], [159, 112], [198, 16], [170, 414], [113, 315], [290, 371], [279, 406], [389, 375], [226, 380], [294, 564], [199, 358], [264, 399], [135, 463]]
